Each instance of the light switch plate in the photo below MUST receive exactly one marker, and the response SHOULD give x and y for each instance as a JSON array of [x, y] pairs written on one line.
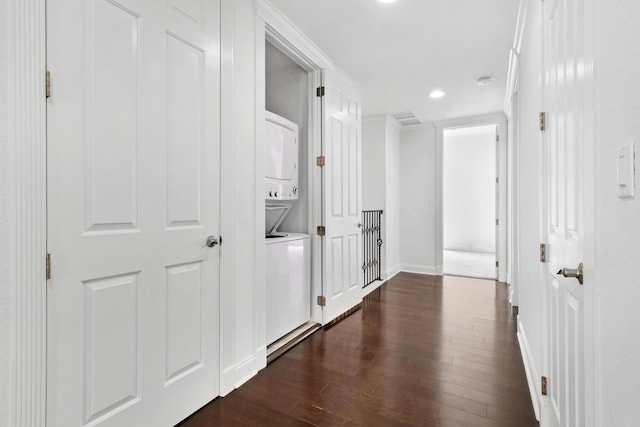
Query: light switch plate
[[626, 171]]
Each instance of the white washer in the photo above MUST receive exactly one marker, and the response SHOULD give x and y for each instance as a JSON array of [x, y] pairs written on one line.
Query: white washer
[[288, 267]]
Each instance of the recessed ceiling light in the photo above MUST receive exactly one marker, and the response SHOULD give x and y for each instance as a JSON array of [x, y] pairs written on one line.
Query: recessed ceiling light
[[386, 1], [436, 94], [484, 80]]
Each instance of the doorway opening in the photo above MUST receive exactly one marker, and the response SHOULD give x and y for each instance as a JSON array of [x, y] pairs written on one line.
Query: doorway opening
[[470, 189], [289, 200]]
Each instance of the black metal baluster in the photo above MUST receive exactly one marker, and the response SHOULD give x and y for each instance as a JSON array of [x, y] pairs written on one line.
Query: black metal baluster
[[379, 243], [372, 246]]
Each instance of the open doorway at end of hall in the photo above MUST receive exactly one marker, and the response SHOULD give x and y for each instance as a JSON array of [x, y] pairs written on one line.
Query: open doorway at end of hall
[[470, 201]]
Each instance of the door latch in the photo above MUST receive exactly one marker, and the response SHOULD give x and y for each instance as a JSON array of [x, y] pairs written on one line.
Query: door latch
[[576, 273], [211, 242]]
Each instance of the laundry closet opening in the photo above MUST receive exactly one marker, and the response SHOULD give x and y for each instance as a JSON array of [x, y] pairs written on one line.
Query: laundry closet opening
[[287, 197], [470, 189]]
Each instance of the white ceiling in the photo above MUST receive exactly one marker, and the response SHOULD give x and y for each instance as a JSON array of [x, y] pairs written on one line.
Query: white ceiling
[[400, 52]]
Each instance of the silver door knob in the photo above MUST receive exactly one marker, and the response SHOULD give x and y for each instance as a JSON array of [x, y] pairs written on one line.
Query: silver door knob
[[570, 272], [211, 241], [359, 225]]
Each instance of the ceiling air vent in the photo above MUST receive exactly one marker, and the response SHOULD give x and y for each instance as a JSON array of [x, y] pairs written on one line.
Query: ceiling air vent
[[406, 118]]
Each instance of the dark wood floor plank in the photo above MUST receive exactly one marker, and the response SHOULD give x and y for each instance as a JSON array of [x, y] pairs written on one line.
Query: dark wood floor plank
[[422, 351], [237, 411]]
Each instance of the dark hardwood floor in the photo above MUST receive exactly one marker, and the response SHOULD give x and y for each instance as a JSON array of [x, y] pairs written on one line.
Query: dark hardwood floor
[[422, 351]]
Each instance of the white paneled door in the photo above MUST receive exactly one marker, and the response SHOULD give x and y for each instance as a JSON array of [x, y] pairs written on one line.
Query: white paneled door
[[342, 244], [567, 134], [133, 176]]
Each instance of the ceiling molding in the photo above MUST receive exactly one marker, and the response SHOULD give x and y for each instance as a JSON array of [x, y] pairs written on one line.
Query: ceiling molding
[[281, 32], [395, 124]]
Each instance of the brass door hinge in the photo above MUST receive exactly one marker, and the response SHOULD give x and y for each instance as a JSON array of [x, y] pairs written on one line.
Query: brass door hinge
[[497, 180], [497, 138], [497, 221], [497, 264], [48, 267], [544, 386], [320, 91], [321, 230], [542, 121], [320, 160], [48, 84], [543, 252], [322, 301]]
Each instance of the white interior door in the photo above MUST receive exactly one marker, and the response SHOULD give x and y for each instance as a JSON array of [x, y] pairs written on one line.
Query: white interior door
[[133, 140], [342, 244], [566, 131]]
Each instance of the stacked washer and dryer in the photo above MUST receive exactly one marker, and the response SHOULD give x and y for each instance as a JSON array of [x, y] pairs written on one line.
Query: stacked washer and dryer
[[288, 257]]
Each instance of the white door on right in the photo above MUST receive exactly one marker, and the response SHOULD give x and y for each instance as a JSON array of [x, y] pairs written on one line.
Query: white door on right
[[566, 99]]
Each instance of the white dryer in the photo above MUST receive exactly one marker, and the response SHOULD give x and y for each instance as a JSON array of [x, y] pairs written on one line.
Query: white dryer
[[288, 267]]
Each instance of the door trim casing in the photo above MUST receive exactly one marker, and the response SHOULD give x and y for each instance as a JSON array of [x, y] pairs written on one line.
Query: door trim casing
[[27, 212], [500, 120], [283, 35]]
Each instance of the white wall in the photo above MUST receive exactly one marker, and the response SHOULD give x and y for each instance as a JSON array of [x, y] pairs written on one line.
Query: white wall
[[512, 196], [374, 183], [469, 172], [374, 176], [527, 204], [22, 213], [617, 221], [417, 199], [6, 398], [287, 89], [380, 183], [243, 350], [392, 209]]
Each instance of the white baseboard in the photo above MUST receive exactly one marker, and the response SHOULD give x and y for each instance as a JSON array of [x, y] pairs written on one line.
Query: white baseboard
[[502, 276], [245, 370], [420, 269], [472, 250], [234, 376], [375, 285], [371, 287], [261, 358], [513, 295], [533, 379], [227, 381], [391, 272]]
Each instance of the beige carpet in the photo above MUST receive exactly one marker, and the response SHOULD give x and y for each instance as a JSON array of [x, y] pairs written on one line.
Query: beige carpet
[[470, 264]]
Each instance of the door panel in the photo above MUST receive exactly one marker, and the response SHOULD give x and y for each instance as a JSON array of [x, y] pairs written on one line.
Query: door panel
[[111, 376], [336, 176], [342, 201], [111, 61], [185, 89], [565, 87], [337, 267], [184, 345], [133, 161]]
